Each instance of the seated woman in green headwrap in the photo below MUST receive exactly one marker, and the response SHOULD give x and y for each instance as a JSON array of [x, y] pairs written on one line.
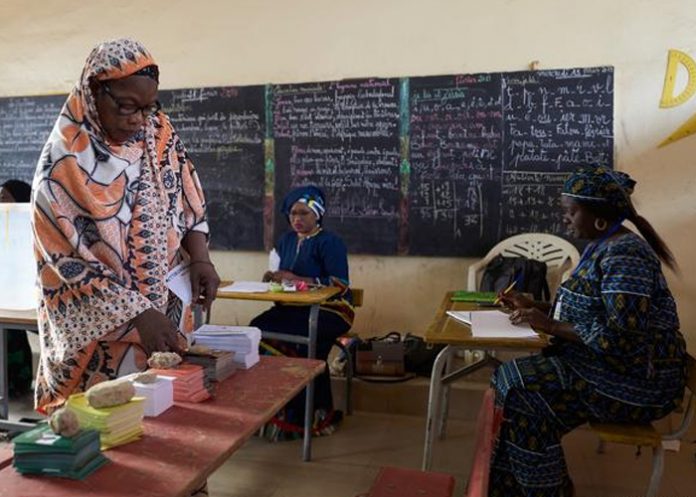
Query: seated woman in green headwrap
[[616, 355]]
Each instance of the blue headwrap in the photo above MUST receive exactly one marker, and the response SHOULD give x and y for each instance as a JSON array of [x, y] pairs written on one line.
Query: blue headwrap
[[601, 185], [310, 195]]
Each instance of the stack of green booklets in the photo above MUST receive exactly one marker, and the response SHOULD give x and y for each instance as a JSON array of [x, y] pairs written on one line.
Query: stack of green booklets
[[474, 297], [41, 452], [116, 425]]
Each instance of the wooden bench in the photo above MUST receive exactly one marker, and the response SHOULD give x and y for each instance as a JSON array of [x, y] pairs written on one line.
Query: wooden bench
[[645, 435], [400, 481]]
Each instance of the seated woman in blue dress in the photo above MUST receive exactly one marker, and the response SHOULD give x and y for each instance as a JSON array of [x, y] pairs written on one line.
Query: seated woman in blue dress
[[314, 255], [616, 353]]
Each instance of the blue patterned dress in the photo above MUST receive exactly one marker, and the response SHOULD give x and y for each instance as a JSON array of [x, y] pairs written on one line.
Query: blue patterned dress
[[629, 367]]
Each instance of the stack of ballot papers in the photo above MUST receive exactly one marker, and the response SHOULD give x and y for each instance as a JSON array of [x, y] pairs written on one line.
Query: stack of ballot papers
[[159, 396], [242, 340], [190, 384], [246, 287], [116, 425], [41, 452], [492, 324], [217, 364]]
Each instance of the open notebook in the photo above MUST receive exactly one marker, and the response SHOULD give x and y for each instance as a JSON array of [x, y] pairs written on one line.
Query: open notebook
[[492, 324]]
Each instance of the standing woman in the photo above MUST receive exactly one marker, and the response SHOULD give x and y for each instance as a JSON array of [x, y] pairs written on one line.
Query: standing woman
[[315, 256], [117, 204], [19, 360], [616, 355]]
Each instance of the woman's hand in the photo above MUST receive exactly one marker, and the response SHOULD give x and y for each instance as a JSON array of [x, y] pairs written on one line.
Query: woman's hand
[[536, 319], [515, 300], [157, 332], [204, 283]]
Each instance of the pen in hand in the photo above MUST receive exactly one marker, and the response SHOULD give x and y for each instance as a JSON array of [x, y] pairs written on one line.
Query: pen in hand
[[504, 292]]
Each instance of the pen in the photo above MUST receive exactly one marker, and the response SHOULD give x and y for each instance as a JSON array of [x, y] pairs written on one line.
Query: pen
[[512, 285]]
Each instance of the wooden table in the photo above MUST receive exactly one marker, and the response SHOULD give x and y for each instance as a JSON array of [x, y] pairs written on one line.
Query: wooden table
[[313, 298], [457, 335], [183, 446], [9, 320]]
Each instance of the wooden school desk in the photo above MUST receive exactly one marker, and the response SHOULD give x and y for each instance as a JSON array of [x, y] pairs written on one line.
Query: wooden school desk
[[10, 320], [183, 446], [313, 298], [457, 335]]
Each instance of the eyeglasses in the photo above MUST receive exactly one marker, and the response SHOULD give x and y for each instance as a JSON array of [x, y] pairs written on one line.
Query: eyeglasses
[[128, 109]]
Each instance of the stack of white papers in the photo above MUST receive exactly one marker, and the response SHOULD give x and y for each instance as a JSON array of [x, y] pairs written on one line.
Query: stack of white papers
[[159, 396], [246, 287], [242, 340], [493, 324]]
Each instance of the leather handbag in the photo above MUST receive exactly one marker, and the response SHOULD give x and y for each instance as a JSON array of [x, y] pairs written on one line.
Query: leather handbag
[[380, 358]]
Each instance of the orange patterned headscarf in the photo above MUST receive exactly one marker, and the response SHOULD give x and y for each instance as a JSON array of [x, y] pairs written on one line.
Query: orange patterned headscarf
[[108, 222]]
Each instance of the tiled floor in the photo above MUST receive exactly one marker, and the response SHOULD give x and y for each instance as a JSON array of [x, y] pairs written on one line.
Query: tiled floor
[[345, 463]]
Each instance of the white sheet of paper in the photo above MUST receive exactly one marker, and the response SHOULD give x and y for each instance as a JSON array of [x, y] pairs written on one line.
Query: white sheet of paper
[[17, 264], [496, 324], [273, 260], [224, 329], [246, 287], [179, 282], [463, 316]]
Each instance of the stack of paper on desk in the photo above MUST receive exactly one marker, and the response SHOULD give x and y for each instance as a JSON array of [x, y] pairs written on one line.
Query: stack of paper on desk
[[116, 425], [159, 396], [492, 324], [217, 364], [189, 382], [41, 452], [242, 340], [246, 287]]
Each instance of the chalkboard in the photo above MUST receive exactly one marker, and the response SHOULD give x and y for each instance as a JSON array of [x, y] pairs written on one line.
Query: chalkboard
[[455, 157], [435, 165], [344, 137], [25, 123], [223, 129], [489, 153]]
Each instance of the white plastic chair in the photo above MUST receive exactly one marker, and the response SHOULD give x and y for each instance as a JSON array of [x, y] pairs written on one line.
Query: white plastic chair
[[559, 255]]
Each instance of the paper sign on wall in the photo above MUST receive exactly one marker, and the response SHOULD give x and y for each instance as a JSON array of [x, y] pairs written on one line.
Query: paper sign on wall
[[17, 263]]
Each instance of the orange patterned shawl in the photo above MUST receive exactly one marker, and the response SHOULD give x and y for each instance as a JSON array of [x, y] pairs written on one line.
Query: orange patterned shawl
[[108, 223]]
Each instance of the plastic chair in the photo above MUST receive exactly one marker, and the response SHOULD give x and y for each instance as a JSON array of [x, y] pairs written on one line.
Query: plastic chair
[[559, 255]]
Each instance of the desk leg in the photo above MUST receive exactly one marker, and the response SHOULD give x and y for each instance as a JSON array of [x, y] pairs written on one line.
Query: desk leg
[[434, 397], [4, 383], [444, 402], [309, 391]]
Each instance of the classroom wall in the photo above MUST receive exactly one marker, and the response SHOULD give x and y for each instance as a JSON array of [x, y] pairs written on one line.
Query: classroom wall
[[43, 46]]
